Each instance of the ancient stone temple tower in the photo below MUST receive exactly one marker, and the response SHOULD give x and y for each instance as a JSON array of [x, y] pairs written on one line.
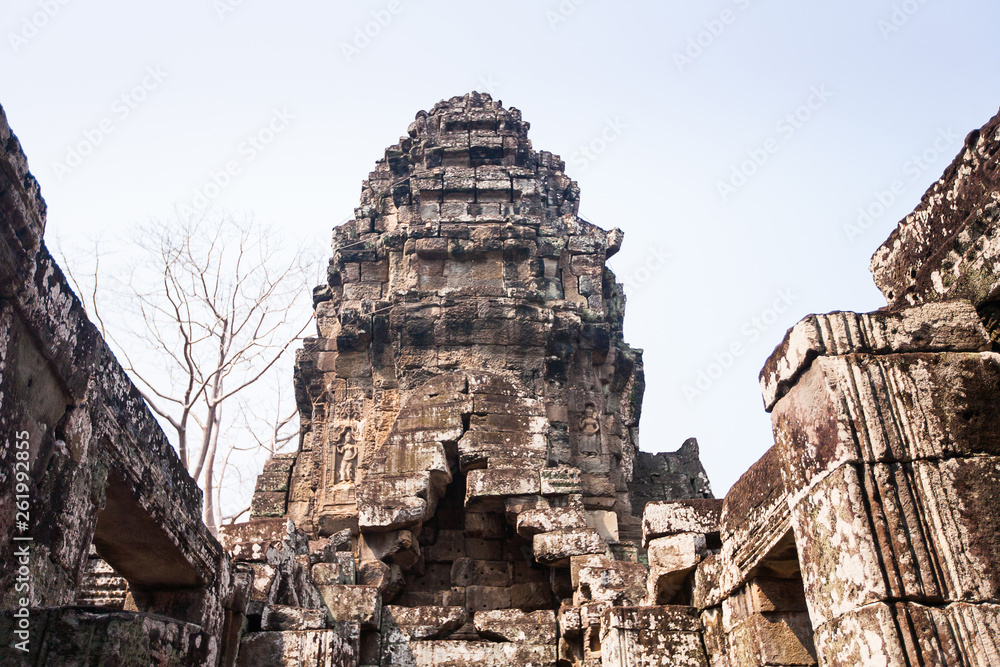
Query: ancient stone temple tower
[[469, 367]]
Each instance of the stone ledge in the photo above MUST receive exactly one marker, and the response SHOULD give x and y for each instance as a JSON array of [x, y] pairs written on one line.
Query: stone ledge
[[936, 327]]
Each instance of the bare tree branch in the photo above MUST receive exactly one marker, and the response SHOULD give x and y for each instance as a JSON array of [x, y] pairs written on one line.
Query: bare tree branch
[[218, 308]]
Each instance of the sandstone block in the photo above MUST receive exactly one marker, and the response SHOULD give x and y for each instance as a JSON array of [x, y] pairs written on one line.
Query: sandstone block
[[671, 560], [447, 653], [643, 635], [934, 327], [714, 637], [622, 584], [420, 623], [887, 409], [312, 648], [755, 520], [471, 572], [557, 547], [707, 589], [569, 620], [65, 635], [449, 545], [357, 604], [493, 483], [560, 480], [417, 457], [485, 525], [774, 638], [605, 522], [531, 522], [833, 535], [676, 553], [337, 574], [577, 563], [670, 517], [531, 596], [514, 625], [910, 634], [485, 598], [395, 513], [848, 562], [250, 541], [947, 247], [281, 617], [268, 504]]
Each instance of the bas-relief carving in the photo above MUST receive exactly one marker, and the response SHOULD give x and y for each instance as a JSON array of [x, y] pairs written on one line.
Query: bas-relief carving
[[589, 437], [347, 452]]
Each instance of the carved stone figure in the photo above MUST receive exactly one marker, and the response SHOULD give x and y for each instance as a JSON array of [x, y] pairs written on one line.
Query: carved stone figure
[[348, 458], [590, 432]]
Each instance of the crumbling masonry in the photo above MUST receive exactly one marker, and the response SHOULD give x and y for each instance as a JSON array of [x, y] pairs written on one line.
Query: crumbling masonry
[[468, 489]]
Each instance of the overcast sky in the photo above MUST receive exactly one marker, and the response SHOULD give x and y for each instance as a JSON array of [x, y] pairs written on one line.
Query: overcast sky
[[733, 141]]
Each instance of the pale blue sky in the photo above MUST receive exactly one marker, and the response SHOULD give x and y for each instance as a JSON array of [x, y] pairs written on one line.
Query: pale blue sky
[[672, 131]]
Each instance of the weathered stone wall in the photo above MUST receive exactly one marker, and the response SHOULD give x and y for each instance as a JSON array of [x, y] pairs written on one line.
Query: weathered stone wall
[[948, 247], [87, 465], [678, 474]]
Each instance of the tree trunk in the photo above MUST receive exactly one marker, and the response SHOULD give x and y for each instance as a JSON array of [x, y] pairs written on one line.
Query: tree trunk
[[210, 519]]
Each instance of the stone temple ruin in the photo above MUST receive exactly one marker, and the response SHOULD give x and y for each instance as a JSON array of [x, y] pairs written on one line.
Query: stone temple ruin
[[468, 490]]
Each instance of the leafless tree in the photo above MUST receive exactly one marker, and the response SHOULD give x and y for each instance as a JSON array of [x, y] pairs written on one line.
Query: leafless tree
[[218, 302]]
